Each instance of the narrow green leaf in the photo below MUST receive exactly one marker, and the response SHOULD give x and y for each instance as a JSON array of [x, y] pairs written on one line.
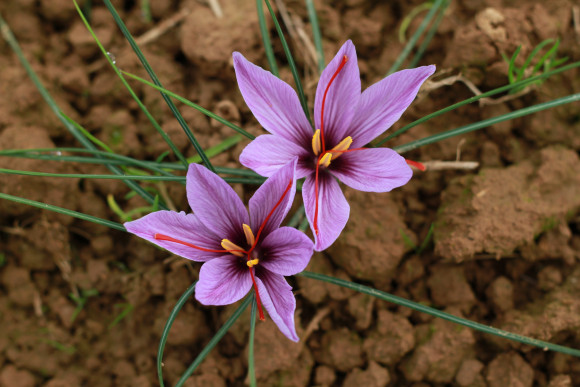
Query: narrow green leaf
[[317, 36], [216, 150], [251, 368], [409, 18], [213, 342], [266, 39], [485, 123], [143, 108], [155, 79], [506, 88], [291, 62], [531, 57], [60, 210], [411, 43], [88, 134], [427, 239], [430, 34], [437, 313], [172, 316], [193, 105], [9, 37]]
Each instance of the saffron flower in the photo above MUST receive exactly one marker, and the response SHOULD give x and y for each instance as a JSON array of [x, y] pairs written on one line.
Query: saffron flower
[[345, 122], [239, 250]]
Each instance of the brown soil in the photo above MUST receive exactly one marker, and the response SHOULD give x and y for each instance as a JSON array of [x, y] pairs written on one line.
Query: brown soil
[[506, 241]]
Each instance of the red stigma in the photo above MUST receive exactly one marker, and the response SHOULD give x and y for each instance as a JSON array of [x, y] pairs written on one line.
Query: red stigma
[[340, 66], [416, 164]]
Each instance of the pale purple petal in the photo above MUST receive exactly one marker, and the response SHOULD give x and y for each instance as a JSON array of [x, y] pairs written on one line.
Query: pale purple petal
[[272, 101], [274, 199], [342, 98], [286, 250], [372, 169], [383, 103], [181, 226], [333, 209], [215, 203], [268, 153], [223, 281], [277, 298]]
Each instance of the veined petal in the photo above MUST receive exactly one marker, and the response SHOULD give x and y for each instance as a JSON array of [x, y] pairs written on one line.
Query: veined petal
[[272, 101], [276, 194], [277, 297], [268, 153], [383, 103], [215, 203], [342, 98], [372, 170], [223, 281], [287, 251], [333, 209], [181, 226]]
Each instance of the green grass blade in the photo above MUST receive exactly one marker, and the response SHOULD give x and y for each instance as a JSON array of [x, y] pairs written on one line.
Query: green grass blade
[[437, 313], [143, 108], [490, 93], [531, 57], [93, 176], [551, 52], [172, 316], [427, 239], [411, 43], [429, 36], [216, 150], [155, 79], [291, 62], [213, 342], [512, 69], [266, 39], [490, 121], [317, 36], [192, 104], [60, 210], [409, 18], [251, 368], [9, 37], [88, 134]]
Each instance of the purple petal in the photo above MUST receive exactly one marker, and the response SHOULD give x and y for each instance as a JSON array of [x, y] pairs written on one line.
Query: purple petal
[[342, 98], [277, 298], [273, 197], [268, 153], [287, 251], [333, 209], [215, 203], [372, 170], [272, 101], [383, 103], [223, 281], [178, 225]]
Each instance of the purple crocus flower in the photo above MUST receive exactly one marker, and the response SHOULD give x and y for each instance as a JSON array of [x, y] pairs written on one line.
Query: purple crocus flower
[[346, 121], [240, 251]]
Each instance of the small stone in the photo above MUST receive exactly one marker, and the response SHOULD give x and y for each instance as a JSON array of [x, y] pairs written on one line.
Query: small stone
[[509, 369], [501, 294]]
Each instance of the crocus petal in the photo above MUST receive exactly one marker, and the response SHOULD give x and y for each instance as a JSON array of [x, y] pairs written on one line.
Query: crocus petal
[[178, 225], [215, 203], [272, 101], [267, 153], [333, 209], [277, 297], [272, 201], [342, 98], [372, 170], [286, 250], [383, 103], [223, 281]]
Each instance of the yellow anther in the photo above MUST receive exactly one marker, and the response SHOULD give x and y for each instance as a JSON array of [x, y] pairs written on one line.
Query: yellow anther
[[252, 262], [342, 146], [316, 142], [325, 160], [232, 247], [249, 235]]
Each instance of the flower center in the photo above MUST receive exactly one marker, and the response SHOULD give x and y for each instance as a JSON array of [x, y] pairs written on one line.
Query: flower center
[[232, 248]]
